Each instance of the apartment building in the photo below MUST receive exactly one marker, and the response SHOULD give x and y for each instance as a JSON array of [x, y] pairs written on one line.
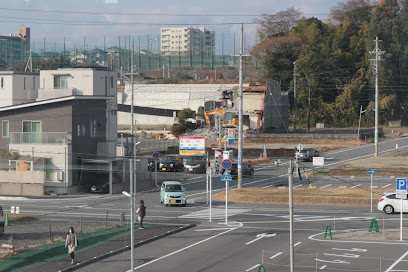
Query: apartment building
[[186, 41], [15, 47]]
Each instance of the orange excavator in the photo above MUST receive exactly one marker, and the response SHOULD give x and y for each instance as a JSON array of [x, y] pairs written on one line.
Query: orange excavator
[[230, 118]]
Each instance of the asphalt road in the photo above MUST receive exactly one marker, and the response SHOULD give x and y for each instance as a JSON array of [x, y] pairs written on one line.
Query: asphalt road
[[252, 231]]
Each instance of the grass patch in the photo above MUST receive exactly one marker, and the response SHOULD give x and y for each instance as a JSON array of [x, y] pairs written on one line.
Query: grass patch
[[15, 219], [335, 197]]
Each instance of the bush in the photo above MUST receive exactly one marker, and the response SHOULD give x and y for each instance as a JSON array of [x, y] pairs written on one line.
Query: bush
[[178, 129]]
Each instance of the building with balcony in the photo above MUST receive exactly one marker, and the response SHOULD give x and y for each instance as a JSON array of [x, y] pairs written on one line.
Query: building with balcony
[[187, 41], [72, 119]]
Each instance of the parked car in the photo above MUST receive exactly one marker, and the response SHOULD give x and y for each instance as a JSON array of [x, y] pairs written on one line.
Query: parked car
[[2, 221], [312, 152], [99, 183], [172, 163], [390, 204], [247, 170], [173, 193], [196, 164]]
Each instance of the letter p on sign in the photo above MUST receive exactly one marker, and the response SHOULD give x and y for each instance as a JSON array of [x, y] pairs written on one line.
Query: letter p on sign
[[401, 184]]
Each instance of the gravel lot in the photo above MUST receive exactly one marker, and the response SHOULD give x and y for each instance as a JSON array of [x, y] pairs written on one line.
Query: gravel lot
[[364, 235]]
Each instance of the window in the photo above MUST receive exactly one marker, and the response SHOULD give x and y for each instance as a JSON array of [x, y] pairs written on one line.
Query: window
[[49, 168], [106, 86], [79, 130], [83, 130], [2, 82], [111, 78], [60, 82], [5, 128], [31, 126]]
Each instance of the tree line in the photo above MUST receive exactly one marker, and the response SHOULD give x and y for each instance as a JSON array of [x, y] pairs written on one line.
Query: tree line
[[334, 64]]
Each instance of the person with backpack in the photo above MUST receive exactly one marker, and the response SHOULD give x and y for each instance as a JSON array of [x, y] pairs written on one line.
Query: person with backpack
[[141, 211]]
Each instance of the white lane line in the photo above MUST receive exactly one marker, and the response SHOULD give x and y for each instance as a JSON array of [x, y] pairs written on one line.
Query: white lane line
[[297, 186], [213, 229], [252, 268], [184, 248], [396, 262], [386, 186], [323, 267], [325, 186], [276, 255], [358, 185], [298, 243], [260, 236]]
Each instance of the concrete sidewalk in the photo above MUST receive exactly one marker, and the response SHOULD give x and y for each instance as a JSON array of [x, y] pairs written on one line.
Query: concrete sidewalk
[[92, 247]]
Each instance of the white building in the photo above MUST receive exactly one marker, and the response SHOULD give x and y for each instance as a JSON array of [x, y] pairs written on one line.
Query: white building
[[187, 41], [18, 87]]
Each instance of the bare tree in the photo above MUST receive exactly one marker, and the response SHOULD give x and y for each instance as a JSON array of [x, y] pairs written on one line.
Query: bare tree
[[278, 24], [355, 9]]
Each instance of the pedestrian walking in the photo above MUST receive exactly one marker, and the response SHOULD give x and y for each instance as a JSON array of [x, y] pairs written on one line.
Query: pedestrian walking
[[71, 242], [141, 211]]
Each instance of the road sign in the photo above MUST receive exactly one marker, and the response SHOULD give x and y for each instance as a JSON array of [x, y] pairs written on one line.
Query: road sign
[[231, 132], [226, 164], [401, 184], [231, 141], [401, 194], [156, 155], [318, 161], [371, 171], [226, 176]]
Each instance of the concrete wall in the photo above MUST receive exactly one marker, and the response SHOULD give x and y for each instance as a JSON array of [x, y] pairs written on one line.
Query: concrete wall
[[22, 183], [124, 118], [174, 96]]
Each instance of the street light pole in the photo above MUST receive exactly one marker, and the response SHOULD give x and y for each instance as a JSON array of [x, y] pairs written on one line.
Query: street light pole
[[240, 116]]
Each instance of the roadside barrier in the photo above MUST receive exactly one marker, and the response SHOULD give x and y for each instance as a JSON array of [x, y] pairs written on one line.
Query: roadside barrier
[[328, 232], [373, 225]]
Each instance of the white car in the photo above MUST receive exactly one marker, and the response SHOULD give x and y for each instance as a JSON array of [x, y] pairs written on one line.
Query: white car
[[390, 204]]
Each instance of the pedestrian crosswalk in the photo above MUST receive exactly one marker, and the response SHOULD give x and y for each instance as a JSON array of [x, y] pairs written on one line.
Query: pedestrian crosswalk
[[216, 213]]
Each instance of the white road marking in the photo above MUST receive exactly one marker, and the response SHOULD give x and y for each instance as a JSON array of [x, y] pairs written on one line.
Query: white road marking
[[252, 268], [260, 236], [358, 185], [323, 267], [396, 262], [386, 186], [182, 249], [298, 243], [216, 213], [325, 186], [213, 229], [351, 249], [335, 261], [297, 186], [276, 255], [344, 255]]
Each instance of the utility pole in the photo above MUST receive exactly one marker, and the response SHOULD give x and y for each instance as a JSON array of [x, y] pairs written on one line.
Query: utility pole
[[378, 53], [132, 219], [133, 98], [291, 216], [241, 106], [294, 96], [308, 112]]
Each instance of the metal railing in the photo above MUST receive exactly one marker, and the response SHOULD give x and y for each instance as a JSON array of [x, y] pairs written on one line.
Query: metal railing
[[40, 138]]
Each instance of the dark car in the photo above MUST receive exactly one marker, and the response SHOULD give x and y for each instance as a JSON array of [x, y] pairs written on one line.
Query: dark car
[[172, 163], [306, 154], [247, 170], [99, 183], [196, 164], [312, 152]]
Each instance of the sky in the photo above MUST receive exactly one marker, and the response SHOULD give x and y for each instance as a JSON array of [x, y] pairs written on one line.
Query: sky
[[53, 20]]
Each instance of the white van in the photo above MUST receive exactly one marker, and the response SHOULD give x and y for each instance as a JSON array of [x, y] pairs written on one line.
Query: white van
[[173, 193]]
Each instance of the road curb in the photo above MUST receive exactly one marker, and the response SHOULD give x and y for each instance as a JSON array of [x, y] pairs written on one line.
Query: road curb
[[114, 252]]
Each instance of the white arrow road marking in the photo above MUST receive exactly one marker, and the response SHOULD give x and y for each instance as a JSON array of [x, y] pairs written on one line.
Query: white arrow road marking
[[351, 249], [346, 255], [276, 255], [255, 266], [335, 261], [358, 185], [260, 236]]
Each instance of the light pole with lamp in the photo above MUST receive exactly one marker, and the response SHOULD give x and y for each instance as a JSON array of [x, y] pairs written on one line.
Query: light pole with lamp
[[359, 122], [132, 220]]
